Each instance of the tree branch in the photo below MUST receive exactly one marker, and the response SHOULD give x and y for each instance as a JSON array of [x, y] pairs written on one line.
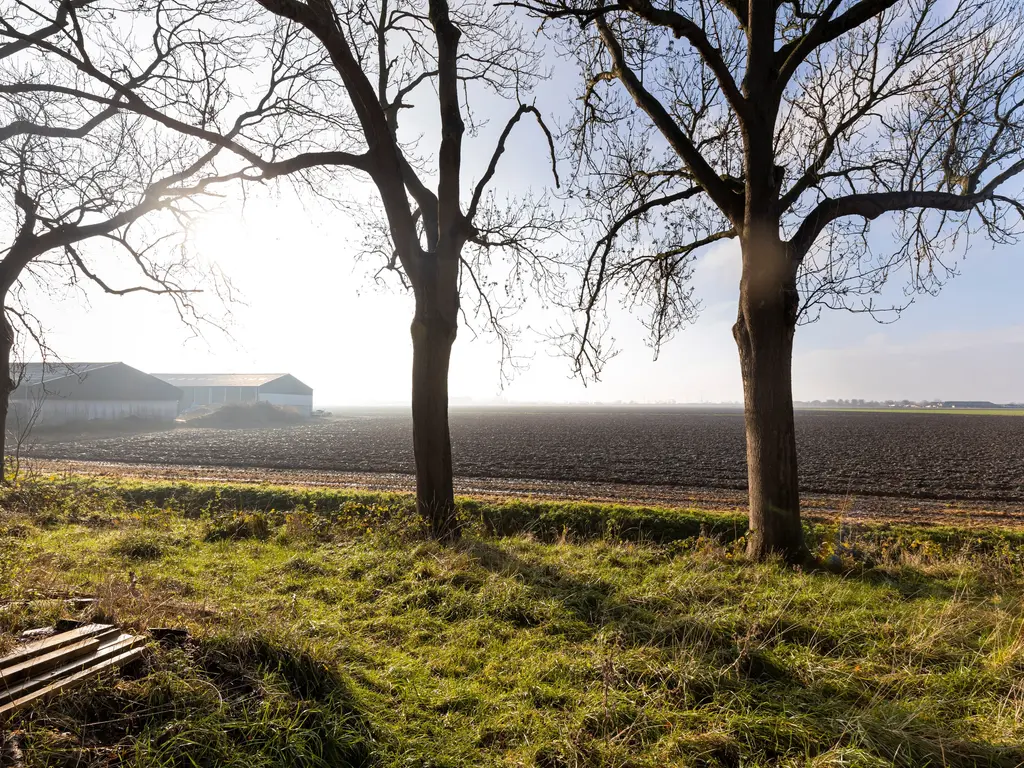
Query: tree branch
[[386, 163], [718, 190], [499, 150], [826, 29], [450, 221], [872, 205], [684, 27], [56, 25], [77, 260], [604, 245], [28, 128], [306, 160]]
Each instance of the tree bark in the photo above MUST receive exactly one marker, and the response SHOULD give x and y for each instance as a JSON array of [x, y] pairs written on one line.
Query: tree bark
[[433, 332], [6, 387], [764, 334]]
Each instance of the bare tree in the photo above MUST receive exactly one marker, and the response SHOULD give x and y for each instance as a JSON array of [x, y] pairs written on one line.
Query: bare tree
[[338, 78], [790, 126], [81, 172], [358, 68]]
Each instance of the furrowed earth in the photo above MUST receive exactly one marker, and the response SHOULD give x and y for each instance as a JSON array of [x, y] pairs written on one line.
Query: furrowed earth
[[629, 453]]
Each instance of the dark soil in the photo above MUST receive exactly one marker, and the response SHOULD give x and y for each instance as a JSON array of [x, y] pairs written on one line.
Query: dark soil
[[257, 415], [925, 456]]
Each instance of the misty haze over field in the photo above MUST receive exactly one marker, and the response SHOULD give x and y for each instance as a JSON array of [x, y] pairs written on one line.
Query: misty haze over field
[[973, 353], [489, 383]]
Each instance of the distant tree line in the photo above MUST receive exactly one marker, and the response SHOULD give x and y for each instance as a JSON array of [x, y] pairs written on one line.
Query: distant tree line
[[860, 403], [785, 126]]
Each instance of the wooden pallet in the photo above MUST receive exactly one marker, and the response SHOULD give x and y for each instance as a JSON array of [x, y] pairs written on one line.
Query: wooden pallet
[[43, 668]]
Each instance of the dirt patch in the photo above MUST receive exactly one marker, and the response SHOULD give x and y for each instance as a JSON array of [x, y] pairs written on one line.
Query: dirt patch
[[99, 429]]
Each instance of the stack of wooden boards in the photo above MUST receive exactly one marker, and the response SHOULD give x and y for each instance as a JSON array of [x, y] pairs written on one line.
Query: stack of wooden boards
[[43, 668]]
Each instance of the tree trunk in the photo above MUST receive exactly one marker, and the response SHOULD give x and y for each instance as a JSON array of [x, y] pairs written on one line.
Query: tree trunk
[[432, 339], [6, 387], [764, 334]]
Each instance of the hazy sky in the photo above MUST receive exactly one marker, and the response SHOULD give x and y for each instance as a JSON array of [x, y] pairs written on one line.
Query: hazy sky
[[310, 310]]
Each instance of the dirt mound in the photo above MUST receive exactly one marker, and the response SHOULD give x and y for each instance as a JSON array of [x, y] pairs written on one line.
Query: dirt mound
[[248, 416]]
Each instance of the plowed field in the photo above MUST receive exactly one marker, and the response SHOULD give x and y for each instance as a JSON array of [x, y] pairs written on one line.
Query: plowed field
[[927, 456]]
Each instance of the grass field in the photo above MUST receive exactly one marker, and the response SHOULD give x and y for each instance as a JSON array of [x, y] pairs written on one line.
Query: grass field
[[326, 631]]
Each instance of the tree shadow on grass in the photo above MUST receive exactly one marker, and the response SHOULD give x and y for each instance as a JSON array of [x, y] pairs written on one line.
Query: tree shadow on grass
[[588, 601], [910, 584], [890, 730], [780, 712], [600, 609]]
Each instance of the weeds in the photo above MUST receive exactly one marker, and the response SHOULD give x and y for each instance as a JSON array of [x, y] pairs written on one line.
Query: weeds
[[142, 545], [235, 526], [226, 701], [323, 641], [316, 515]]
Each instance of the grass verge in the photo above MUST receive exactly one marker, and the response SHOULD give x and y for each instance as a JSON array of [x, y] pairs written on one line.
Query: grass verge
[[327, 631]]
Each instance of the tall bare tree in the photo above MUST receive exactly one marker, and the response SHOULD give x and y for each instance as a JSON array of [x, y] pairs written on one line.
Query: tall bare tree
[[81, 172], [365, 64], [331, 82], [788, 125]]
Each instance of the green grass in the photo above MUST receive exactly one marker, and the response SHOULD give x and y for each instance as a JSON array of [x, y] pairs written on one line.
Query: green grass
[[326, 631]]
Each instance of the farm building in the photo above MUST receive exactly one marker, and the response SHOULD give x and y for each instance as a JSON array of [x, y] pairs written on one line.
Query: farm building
[[281, 389], [61, 393]]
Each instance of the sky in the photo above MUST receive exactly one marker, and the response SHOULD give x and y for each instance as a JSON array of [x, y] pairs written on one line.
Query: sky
[[311, 309]]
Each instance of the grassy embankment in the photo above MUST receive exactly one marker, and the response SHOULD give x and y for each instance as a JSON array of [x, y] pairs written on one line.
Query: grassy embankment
[[327, 632]]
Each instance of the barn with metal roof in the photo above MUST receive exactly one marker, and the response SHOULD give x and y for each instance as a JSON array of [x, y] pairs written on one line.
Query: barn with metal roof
[[62, 393], [281, 389]]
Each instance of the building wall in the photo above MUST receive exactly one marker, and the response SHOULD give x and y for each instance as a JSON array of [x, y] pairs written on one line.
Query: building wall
[[195, 396], [108, 381], [57, 411], [191, 396], [301, 403], [241, 394], [286, 385]]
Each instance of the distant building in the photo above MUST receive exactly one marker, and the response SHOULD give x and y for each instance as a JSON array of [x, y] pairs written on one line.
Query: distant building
[[281, 389], [62, 393]]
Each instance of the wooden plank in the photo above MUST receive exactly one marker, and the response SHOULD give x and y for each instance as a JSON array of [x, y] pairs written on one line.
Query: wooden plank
[[77, 601], [118, 645], [52, 643], [95, 659], [71, 681], [40, 664]]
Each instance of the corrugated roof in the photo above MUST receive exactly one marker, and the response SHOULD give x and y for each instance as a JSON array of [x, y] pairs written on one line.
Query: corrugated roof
[[218, 379], [30, 374]]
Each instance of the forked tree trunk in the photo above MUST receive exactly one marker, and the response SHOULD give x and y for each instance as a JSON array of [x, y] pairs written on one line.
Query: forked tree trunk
[[432, 337], [764, 334]]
